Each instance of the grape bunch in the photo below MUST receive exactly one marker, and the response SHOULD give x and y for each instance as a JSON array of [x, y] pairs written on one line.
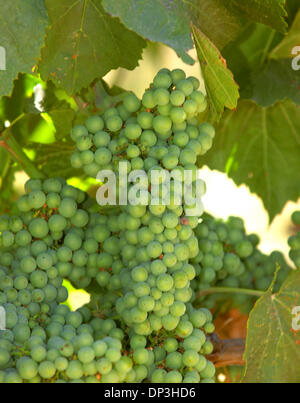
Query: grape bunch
[[228, 257], [141, 325]]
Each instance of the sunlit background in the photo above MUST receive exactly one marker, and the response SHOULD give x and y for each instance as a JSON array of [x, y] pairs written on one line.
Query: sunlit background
[[223, 197]]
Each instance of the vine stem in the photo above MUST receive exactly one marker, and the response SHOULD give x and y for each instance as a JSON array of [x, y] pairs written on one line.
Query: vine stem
[[9, 143], [228, 290]]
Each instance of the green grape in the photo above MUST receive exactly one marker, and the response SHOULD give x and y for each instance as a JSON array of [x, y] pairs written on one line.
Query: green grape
[[178, 115], [148, 100], [28, 264], [162, 124], [114, 123], [162, 80], [154, 249], [186, 87], [161, 97], [78, 131], [38, 353], [103, 156], [145, 119], [39, 279], [23, 238], [86, 355], [27, 368], [36, 199], [173, 377], [133, 131], [132, 103], [177, 75], [133, 151], [38, 228], [84, 143]]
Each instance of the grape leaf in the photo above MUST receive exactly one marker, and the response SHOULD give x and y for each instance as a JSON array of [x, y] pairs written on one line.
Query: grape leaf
[[168, 21], [249, 53], [268, 12], [272, 348], [260, 147], [277, 81], [222, 90], [164, 21], [84, 43], [22, 31], [62, 120], [261, 79], [284, 49], [54, 159]]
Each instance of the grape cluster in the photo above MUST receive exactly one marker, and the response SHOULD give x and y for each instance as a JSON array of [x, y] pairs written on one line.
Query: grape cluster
[[162, 130], [228, 257], [140, 325], [69, 347], [156, 242]]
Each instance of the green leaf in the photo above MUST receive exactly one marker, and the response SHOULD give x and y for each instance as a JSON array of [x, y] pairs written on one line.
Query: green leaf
[[268, 12], [222, 90], [54, 159], [249, 53], [168, 21], [277, 81], [165, 21], [260, 147], [284, 49], [62, 120], [22, 31], [84, 43], [261, 79], [272, 348]]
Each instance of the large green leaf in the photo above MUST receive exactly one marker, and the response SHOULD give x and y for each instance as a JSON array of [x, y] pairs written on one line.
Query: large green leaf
[[249, 53], [268, 12], [262, 79], [260, 147], [272, 350], [84, 43], [284, 49], [168, 21], [222, 90], [22, 31], [277, 81], [158, 20], [54, 159]]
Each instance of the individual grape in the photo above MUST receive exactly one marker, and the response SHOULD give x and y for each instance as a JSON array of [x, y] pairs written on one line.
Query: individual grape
[[84, 143], [86, 355], [103, 156], [78, 131], [162, 124], [177, 75], [38, 353], [133, 131], [36, 199], [173, 377], [28, 264], [162, 80], [27, 368], [132, 103], [7, 239], [38, 228], [178, 115]]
